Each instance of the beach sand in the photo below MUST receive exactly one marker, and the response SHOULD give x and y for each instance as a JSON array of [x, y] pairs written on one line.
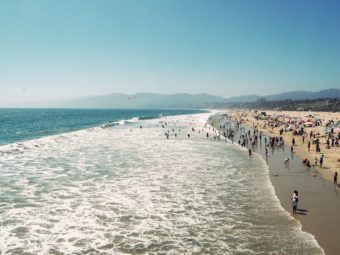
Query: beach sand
[[319, 199], [331, 156]]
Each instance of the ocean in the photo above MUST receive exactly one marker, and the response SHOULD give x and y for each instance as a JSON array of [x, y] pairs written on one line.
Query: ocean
[[25, 124], [96, 187]]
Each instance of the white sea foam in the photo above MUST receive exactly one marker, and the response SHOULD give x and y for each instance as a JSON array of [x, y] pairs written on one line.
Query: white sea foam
[[130, 190]]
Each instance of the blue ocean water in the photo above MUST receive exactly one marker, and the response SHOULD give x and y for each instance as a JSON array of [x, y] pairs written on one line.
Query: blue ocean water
[[26, 124]]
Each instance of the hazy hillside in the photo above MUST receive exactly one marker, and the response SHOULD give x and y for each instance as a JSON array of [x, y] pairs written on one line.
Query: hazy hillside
[[183, 101], [294, 95], [247, 98], [300, 95]]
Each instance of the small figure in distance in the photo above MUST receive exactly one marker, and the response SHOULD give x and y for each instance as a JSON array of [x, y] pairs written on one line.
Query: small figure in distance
[[335, 178], [295, 201], [286, 161], [321, 160]]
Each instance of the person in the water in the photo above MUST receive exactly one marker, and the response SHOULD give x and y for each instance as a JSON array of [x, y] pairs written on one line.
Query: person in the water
[[286, 162]]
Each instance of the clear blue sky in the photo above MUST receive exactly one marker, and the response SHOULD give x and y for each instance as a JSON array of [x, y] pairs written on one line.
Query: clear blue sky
[[64, 49]]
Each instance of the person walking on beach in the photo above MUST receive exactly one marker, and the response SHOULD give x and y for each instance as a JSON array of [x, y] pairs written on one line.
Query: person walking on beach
[[317, 147], [295, 201], [321, 160], [308, 145], [335, 178]]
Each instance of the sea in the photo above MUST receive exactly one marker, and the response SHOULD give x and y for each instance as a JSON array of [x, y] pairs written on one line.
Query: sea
[[135, 182]]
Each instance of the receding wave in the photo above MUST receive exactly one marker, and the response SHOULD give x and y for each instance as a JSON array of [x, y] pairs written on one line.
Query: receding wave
[[148, 117], [120, 122]]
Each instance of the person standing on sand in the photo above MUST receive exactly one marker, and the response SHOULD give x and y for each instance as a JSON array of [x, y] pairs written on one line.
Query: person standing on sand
[[335, 178], [308, 145], [295, 201], [321, 160]]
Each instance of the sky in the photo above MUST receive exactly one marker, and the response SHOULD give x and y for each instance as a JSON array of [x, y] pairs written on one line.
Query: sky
[[67, 49]]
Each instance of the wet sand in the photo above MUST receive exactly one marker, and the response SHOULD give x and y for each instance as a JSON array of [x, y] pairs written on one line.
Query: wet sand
[[319, 199]]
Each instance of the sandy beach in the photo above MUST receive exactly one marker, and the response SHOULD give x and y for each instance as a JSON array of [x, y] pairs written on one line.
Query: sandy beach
[[319, 198], [307, 120]]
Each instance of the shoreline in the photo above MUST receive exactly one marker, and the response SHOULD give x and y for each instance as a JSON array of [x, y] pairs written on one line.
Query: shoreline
[[319, 200]]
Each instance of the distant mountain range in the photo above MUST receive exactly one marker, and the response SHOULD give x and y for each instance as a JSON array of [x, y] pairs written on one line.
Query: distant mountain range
[[152, 101], [294, 95]]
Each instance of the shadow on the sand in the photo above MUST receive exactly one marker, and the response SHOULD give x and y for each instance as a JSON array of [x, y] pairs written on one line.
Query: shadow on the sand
[[301, 211]]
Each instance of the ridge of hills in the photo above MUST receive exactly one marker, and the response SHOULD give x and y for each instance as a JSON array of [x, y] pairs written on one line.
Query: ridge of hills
[[176, 101]]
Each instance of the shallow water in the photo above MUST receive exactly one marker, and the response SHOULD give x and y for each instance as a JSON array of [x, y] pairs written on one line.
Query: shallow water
[[126, 190]]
